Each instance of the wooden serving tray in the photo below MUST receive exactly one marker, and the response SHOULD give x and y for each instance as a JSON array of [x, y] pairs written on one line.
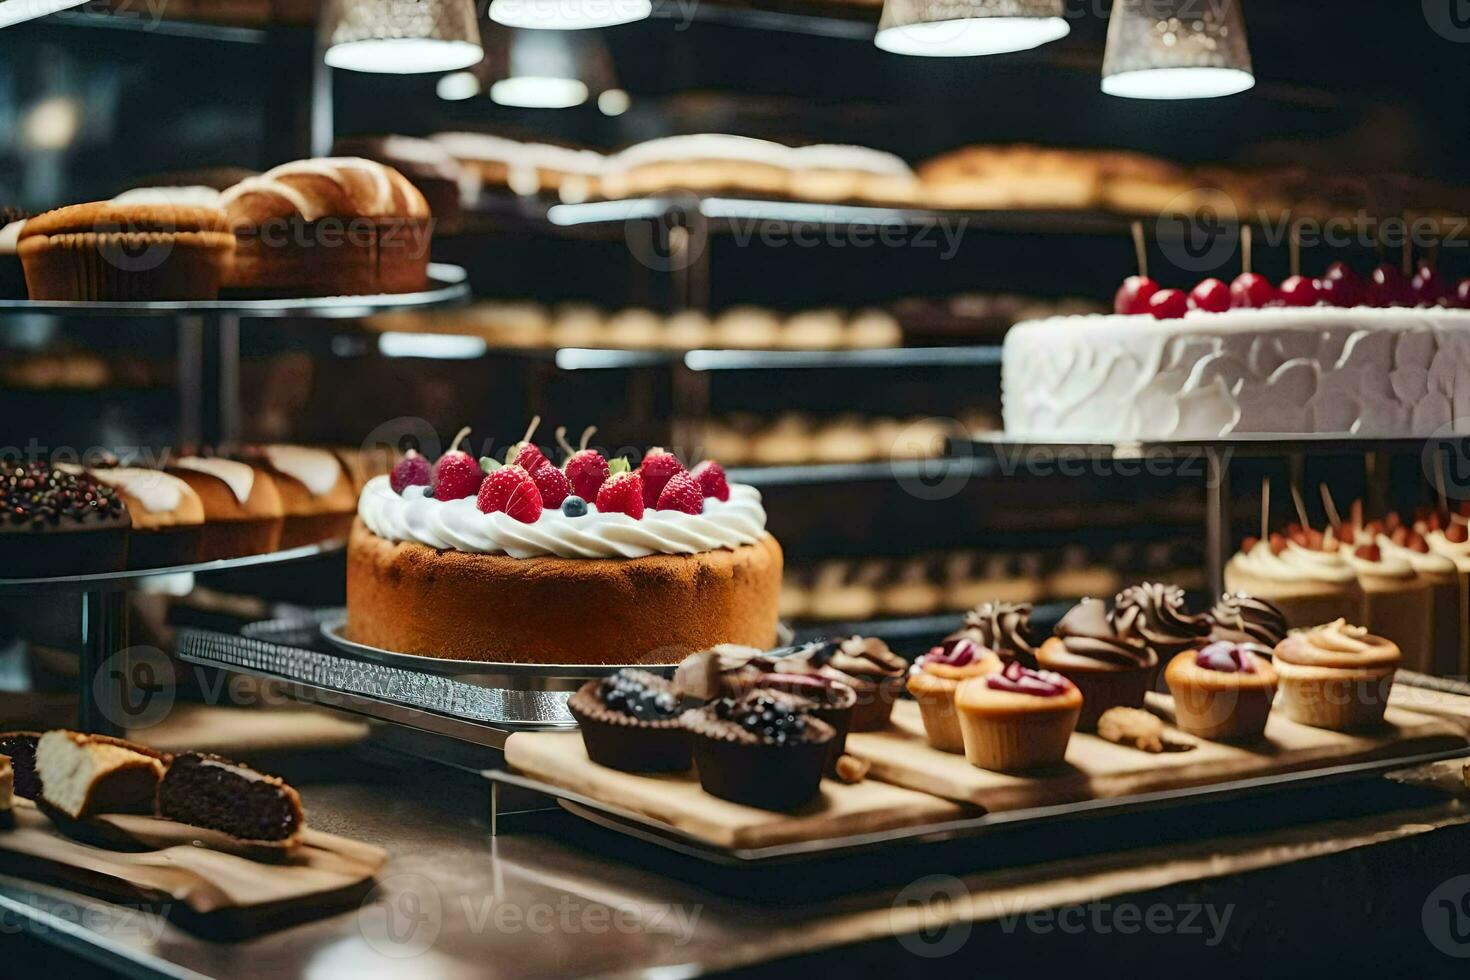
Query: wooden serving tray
[[1097, 769], [677, 800], [190, 874], [913, 790]]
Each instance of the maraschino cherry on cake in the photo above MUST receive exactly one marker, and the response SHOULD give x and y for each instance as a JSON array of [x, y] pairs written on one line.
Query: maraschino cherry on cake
[[585, 560]]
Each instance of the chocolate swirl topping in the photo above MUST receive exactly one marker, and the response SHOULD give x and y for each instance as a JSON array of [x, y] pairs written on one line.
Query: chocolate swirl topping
[[1242, 618], [1155, 611], [1002, 627], [1087, 630]]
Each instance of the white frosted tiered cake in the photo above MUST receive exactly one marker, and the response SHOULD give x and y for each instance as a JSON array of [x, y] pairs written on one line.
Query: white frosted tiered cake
[[1321, 370]]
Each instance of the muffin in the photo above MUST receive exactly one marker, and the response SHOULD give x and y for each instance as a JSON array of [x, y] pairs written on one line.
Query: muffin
[[328, 227], [1336, 676], [126, 252], [865, 664], [630, 721], [1003, 627], [1247, 621], [242, 507], [933, 681], [1112, 668], [168, 516], [764, 749], [1222, 691], [59, 522], [1397, 602], [1017, 719]]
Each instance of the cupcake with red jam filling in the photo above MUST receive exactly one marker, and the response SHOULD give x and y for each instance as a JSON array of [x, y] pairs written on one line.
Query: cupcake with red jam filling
[[765, 748], [1222, 691], [1113, 667], [1247, 621], [630, 721], [1003, 627], [1336, 676], [865, 664], [1017, 719], [935, 678]]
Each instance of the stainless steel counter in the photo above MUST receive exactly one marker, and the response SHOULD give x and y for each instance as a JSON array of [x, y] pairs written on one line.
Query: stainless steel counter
[[553, 897]]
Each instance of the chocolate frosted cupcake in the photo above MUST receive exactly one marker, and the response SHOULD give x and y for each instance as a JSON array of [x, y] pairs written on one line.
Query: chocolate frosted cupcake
[[765, 749], [1002, 627], [1243, 619], [630, 721], [1155, 611], [832, 702], [865, 664], [1112, 666]]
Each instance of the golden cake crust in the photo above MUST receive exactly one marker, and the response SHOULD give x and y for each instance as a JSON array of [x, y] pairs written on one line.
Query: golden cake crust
[[410, 598]]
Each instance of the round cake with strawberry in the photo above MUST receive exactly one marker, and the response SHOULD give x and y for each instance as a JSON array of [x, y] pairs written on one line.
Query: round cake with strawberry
[[583, 561]]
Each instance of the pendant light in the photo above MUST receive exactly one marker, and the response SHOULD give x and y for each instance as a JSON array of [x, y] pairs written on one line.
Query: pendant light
[[403, 36], [16, 11], [568, 15], [546, 69], [955, 28], [1176, 49]]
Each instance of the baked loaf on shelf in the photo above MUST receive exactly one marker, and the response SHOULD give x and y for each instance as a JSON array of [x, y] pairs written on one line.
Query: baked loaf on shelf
[[327, 227]]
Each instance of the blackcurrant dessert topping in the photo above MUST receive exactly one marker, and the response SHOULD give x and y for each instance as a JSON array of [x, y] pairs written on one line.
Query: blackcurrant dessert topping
[[775, 720], [630, 693]]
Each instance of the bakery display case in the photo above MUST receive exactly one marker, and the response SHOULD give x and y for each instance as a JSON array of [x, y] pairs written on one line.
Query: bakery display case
[[503, 471]]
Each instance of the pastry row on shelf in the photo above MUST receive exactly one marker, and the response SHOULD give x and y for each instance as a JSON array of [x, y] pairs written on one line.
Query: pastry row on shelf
[[534, 325], [795, 438], [979, 177], [858, 589], [62, 518]]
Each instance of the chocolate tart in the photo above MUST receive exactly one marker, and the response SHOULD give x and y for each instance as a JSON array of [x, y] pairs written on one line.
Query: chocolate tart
[[865, 664], [630, 721], [832, 702], [55, 522], [208, 791], [774, 765]]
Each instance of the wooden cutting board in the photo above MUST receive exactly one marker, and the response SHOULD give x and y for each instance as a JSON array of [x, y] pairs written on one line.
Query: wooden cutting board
[[174, 867], [677, 800], [1097, 769]]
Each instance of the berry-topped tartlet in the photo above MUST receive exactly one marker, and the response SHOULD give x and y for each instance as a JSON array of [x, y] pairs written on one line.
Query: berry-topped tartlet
[[58, 522], [630, 721], [1018, 718], [590, 561], [766, 748], [1221, 691]]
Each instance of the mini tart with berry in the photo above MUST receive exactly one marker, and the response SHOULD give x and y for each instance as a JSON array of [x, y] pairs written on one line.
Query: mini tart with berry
[[445, 559], [1223, 691], [765, 749], [243, 514], [168, 516], [1336, 676], [315, 489], [935, 678], [55, 521], [1017, 719], [630, 721], [832, 702]]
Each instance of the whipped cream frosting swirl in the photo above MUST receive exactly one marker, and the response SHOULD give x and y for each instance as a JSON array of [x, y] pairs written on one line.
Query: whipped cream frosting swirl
[[1338, 644], [458, 525], [1294, 564]]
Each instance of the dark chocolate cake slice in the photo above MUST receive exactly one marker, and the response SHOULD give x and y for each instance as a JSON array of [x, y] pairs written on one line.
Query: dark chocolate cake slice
[[207, 791], [20, 748]]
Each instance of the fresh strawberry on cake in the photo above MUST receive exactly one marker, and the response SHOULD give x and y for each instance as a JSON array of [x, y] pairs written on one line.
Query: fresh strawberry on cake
[[524, 559]]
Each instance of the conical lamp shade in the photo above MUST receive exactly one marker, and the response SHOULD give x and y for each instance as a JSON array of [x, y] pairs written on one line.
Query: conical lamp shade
[[546, 69], [403, 36], [955, 28], [1176, 49]]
